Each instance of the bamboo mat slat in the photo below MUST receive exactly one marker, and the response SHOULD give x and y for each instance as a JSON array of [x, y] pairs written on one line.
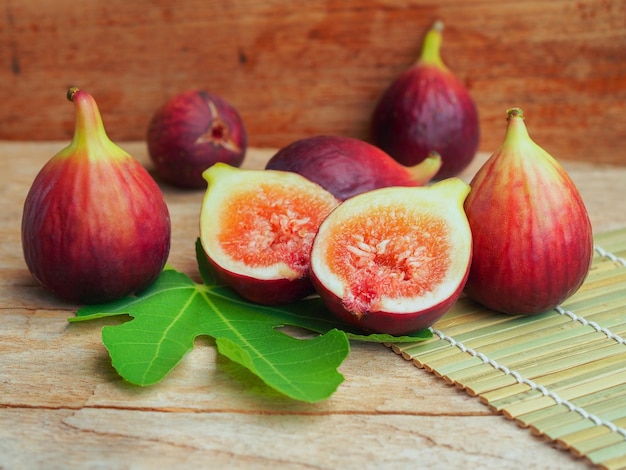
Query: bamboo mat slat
[[561, 374]]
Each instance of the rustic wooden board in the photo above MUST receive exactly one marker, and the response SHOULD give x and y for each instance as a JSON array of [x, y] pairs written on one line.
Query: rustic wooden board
[[63, 405], [301, 68]]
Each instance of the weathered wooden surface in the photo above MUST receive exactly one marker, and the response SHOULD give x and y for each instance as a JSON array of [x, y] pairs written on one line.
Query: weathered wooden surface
[[300, 68], [63, 406]]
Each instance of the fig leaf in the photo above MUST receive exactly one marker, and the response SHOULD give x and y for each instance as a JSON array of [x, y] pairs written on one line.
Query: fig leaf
[[174, 310]]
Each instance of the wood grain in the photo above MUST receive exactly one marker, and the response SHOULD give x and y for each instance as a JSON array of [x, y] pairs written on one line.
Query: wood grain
[[113, 438], [63, 405], [295, 69]]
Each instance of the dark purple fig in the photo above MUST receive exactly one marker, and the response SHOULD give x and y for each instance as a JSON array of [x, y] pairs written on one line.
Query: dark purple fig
[[346, 166], [191, 132], [426, 109]]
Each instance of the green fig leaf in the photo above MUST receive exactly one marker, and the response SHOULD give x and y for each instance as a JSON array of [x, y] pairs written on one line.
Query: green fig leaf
[[170, 314], [173, 311]]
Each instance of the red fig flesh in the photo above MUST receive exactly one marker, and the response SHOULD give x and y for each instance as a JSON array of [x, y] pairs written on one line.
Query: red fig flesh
[[533, 241], [394, 260], [191, 132], [257, 228], [95, 226], [426, 109], [346, 166]]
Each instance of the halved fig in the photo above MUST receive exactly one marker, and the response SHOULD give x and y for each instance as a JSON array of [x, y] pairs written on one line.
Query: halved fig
[[394, 260], [257, 229]]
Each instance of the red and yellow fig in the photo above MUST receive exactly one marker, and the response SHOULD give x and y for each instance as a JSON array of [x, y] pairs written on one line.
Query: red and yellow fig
[[394, 260], [533, 241], [428, 109], [95, 225], [346, 166], [257, 228]]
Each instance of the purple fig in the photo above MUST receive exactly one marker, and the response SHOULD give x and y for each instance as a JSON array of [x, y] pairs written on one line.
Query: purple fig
[[191, 132], [346, 166], [427, 108]]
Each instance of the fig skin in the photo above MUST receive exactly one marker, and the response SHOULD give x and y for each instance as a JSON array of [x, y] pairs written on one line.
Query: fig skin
[[192, 131], [428, 109], [347, 166], [264, 291], [533, 241], [267, 219], [383, 322], [95, 225], [432, 266]]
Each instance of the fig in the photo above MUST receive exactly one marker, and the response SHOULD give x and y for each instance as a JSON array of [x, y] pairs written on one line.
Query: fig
[[394, 260], [257, 228], [427, 108], [192, 131], [95, 225], [347, 166], [533, 241]]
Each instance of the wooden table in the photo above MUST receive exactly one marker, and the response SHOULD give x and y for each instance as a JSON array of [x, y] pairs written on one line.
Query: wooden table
[[62, 405]]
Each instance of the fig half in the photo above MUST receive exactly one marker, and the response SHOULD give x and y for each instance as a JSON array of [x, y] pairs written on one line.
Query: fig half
[[257, 229], [394, 260]]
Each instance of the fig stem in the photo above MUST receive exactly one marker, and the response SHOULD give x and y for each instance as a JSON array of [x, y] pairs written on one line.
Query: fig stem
[[90, 136], [517, 140], [431, 46], [516, 132], [515, 112], [71, 92], [426, 170]]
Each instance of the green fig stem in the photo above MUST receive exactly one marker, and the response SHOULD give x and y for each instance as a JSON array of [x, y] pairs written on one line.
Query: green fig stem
[[516, 131], [517, 140], [431, 47], [89, 133], [426, 170]]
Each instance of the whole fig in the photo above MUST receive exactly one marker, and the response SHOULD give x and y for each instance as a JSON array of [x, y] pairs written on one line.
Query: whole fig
[[95, 225], [192, 131], [346, 166], [533, 241], [427, 108]]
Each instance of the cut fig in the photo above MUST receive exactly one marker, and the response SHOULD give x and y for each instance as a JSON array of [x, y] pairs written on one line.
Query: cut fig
[[257, 228], [394, 260]]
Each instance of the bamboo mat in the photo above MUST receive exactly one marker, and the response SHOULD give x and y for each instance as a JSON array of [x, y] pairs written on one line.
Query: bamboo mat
[[561, 374]]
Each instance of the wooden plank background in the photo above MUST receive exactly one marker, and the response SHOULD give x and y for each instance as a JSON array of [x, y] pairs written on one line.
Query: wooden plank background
[[301, 68]]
